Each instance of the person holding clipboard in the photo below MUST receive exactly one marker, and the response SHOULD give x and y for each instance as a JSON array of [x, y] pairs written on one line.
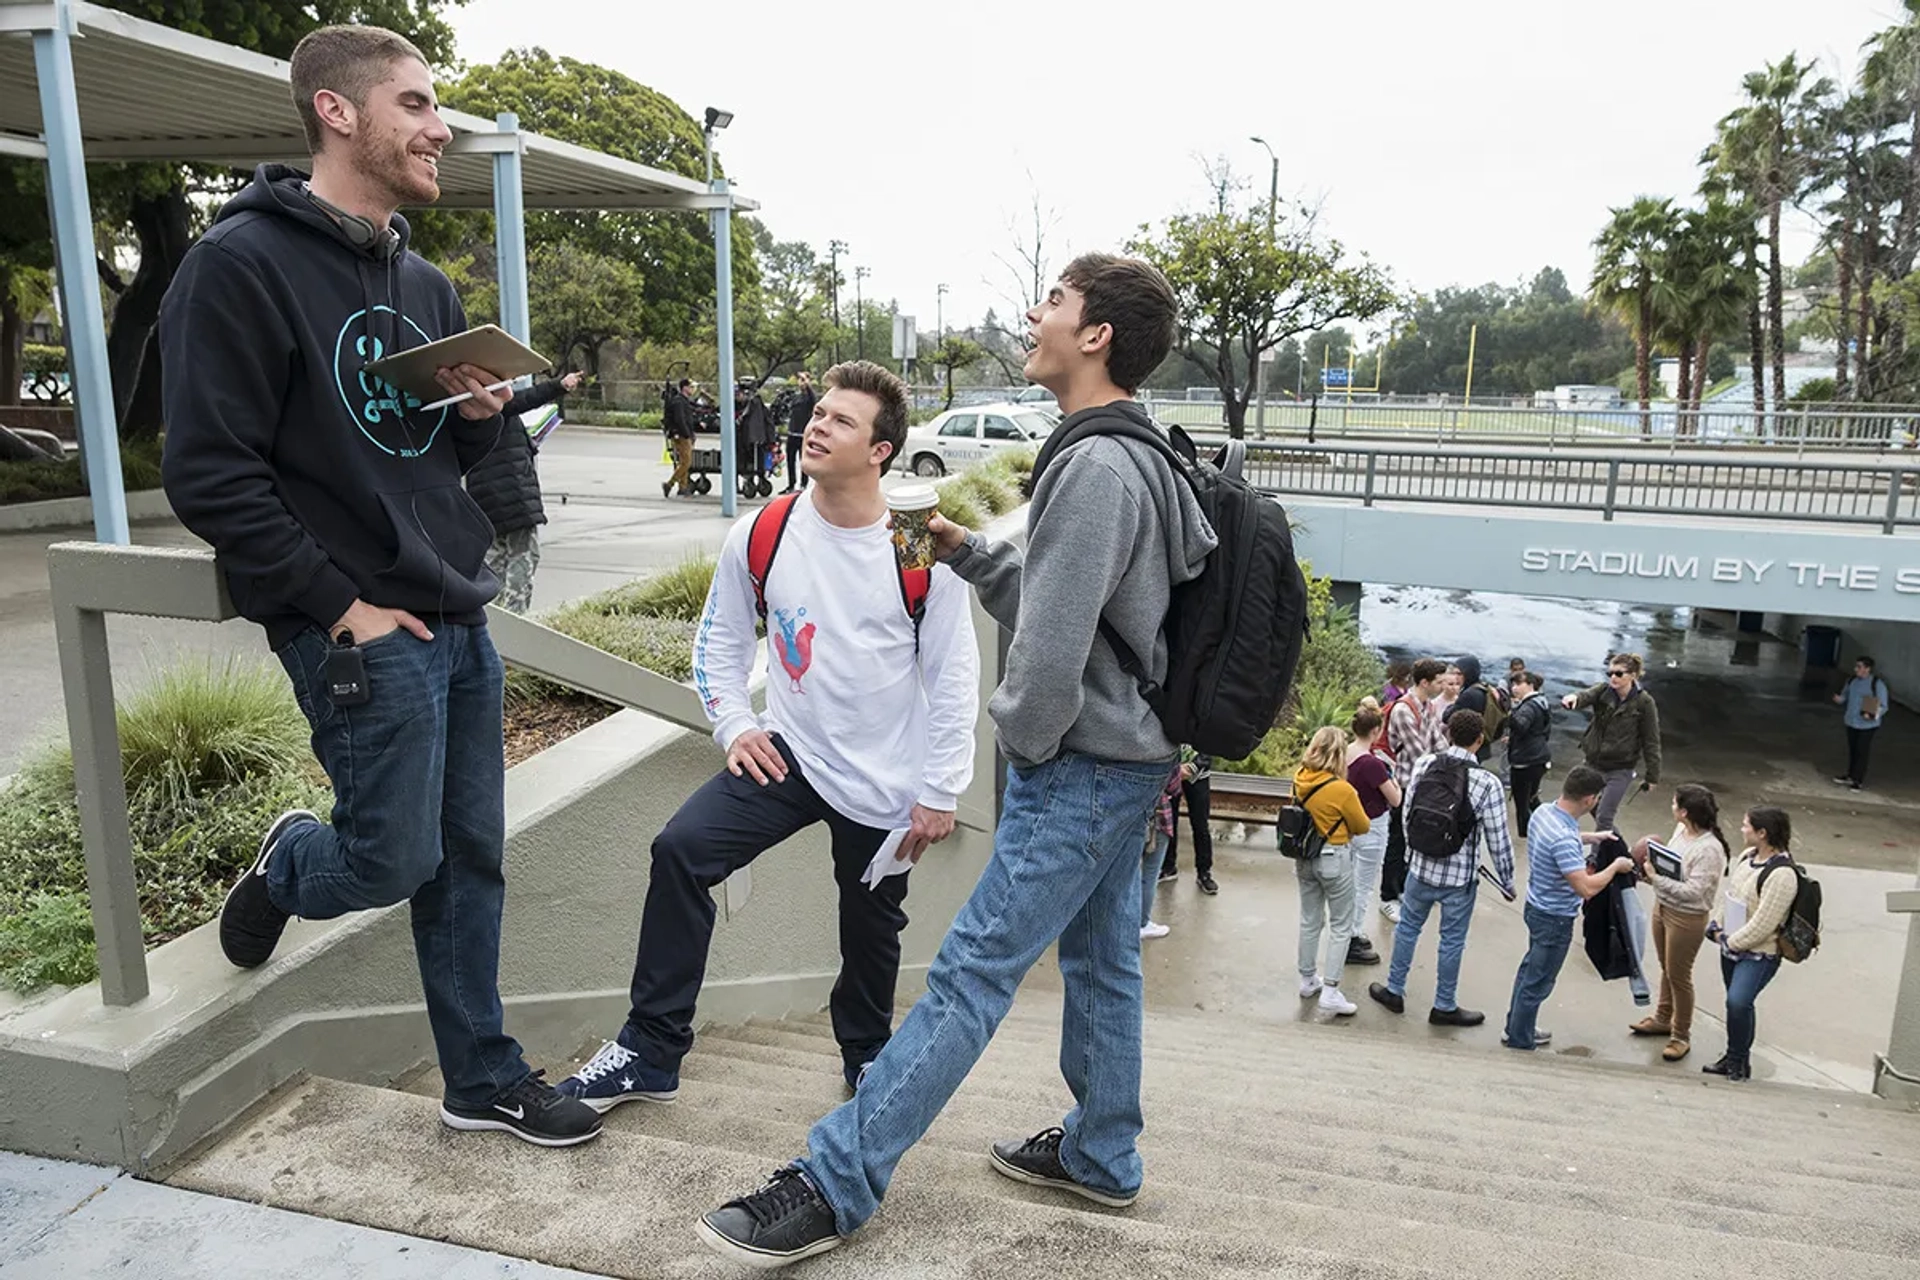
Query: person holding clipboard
[[329, 487], [1864, 703], [1685, 875]]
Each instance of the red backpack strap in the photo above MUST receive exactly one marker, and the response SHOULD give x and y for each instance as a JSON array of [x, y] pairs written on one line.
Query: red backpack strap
[[763, 540], [915, 584]]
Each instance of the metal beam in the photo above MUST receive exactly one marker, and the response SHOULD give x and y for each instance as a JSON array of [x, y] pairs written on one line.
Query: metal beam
[[545, 652], [560, 200], [237, 150], [510, 233], [25, 148], [35, 18], [722, 224], [491, 144], [79, 289]]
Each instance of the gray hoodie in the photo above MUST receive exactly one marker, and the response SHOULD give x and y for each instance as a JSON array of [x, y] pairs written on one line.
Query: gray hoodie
[[1111, 531]]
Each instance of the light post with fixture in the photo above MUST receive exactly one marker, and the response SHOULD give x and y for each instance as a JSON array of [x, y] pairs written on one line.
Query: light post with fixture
[[860, 309], [721, 215], [834, 249], [1260, 358]]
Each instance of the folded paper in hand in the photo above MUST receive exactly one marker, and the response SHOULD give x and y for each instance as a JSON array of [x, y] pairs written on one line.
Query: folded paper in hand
[[887, 862]]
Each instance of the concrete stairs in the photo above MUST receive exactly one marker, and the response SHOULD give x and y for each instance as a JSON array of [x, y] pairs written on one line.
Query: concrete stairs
[[1296, 1150]]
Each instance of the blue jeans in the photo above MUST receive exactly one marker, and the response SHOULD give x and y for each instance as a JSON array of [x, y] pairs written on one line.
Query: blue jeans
[[1150, 863], [1746, 978], [419, 816], [1456, 913], [1548, 938], [1066, 865]]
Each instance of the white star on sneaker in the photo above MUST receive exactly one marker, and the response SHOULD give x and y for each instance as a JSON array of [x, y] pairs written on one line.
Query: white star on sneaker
[[626, 1083]]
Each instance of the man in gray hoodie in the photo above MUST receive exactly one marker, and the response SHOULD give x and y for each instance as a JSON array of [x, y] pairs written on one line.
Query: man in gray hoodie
[[1110, 533]]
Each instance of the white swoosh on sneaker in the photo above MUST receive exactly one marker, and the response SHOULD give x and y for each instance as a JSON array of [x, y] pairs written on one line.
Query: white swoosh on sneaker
[[518, 1113]]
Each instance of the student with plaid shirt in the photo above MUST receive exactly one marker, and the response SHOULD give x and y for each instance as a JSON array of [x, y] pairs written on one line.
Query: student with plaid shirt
[[1449, 882]]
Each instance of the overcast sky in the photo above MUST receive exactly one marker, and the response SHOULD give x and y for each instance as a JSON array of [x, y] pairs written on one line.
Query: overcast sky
[[1456, 144]]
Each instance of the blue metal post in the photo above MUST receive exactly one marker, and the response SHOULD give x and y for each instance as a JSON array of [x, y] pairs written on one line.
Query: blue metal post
[[79, 282], [510, 232], [723, 323]]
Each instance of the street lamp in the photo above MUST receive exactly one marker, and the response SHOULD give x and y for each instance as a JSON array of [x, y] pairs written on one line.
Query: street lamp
[[717, 120], [834, 249], [940, 313], [860, 309], [1273, 187]]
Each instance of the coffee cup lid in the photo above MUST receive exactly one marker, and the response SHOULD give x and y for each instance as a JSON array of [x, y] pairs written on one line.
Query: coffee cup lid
[[913, 497]]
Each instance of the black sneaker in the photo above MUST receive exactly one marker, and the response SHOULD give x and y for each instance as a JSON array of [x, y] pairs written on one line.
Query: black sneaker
[[1360, 951], [533, 1111], [1383, 996], [1037, 1162], [1168, 875], [1455, 1017], [782, 1222], [1207, 886], [250, 925]]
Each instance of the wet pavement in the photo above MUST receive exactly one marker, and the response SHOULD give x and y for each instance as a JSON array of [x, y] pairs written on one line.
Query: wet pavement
[[1735, 714]]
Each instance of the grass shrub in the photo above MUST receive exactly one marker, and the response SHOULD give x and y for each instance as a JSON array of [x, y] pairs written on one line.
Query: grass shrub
[[645, 420], [212, 753], [42, 481], [958, 506], [679, 592]]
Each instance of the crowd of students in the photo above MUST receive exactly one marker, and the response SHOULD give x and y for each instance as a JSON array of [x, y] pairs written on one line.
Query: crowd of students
[[1418, 758]]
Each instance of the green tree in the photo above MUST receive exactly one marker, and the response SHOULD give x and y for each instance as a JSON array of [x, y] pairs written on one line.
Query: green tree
[[1762, 151], [1632, 250], [1245, 287], [784, 322], [955, 352], [1701, 291], [584, 300], [26, 253], [597, 107]]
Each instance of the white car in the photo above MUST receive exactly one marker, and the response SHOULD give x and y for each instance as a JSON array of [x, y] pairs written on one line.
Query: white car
[[959, 438]]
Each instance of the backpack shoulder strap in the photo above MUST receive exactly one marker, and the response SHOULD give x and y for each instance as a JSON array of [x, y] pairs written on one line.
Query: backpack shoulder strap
[[1777, 861], [763, 540], [915, 586]]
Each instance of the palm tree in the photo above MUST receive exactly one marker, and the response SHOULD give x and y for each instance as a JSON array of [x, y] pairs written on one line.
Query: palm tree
[[1761, 152], [1632, 249], [1704, 290]]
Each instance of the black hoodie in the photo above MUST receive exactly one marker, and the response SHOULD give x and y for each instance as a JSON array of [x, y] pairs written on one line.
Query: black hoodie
[[315, 483]]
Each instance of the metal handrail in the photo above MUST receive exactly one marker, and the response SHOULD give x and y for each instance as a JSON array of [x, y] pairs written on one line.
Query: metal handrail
[[1882, 493], [91, 580]]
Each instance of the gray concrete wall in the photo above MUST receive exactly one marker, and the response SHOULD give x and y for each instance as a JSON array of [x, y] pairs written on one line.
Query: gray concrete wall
[[136, 1087], [1756, 566], [1893, 646]]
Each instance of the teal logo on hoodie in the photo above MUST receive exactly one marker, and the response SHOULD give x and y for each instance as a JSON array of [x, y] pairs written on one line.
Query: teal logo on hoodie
[[379, 408]]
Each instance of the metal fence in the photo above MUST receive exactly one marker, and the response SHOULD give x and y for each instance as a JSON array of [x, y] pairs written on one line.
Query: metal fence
[[1882, 494], [1802, 431]]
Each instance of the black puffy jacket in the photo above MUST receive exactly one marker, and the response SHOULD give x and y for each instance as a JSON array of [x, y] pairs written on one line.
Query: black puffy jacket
[[504, 483]]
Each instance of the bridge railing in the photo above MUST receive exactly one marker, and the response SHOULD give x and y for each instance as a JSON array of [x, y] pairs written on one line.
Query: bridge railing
[[1883, 493], [1802, 430]]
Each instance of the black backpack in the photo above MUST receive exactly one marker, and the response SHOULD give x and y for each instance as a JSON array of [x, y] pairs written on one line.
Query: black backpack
[[1234, 633], [1298, 834], [1799, 935], [1439, 816]]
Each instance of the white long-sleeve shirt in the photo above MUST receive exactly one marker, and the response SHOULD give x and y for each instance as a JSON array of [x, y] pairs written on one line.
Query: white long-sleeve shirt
[[875, 730]]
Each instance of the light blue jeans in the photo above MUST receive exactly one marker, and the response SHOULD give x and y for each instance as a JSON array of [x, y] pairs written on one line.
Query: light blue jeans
[[1150, 863], [1456, 913], [1369, 855], [1066, 865]]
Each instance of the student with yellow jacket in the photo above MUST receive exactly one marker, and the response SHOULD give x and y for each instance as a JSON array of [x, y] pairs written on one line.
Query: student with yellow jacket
[[1746, 924], [1320, 786]]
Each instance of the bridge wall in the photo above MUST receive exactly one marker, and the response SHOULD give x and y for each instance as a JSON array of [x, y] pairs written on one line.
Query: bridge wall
[[1818, 572]]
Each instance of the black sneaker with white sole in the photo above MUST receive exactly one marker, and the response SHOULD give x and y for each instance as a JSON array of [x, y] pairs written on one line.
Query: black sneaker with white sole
[[250, 925], [533, 1111], [781, 1223], [1037, 1162]]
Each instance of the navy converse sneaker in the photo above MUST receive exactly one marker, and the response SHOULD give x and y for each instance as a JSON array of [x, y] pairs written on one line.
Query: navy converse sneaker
[[1037, 1162], [784, 1221], [250, 925], [533, 1111], [617, 1074]]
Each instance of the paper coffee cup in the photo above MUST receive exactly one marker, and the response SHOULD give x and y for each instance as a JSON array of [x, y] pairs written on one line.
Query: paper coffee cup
[[912, 506]]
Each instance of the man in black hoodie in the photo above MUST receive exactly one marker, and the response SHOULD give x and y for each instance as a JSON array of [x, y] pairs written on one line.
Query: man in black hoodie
[[334, 504]]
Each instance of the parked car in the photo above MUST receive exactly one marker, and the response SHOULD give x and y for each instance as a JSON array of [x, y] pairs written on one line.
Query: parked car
[[959, 438], [1038, 397]]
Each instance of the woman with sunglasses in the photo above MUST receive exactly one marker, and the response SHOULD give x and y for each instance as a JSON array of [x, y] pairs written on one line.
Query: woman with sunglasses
[[1624, 732]]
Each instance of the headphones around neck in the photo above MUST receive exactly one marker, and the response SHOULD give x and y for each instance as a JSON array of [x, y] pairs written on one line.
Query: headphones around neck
[[382, 242]]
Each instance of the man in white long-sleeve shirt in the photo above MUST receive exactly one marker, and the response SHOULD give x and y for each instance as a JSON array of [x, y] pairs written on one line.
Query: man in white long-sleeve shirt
[[872, 696]]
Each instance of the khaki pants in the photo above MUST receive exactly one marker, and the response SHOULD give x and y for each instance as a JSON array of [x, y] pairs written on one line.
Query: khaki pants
[[1677, 936], [682, 462]]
